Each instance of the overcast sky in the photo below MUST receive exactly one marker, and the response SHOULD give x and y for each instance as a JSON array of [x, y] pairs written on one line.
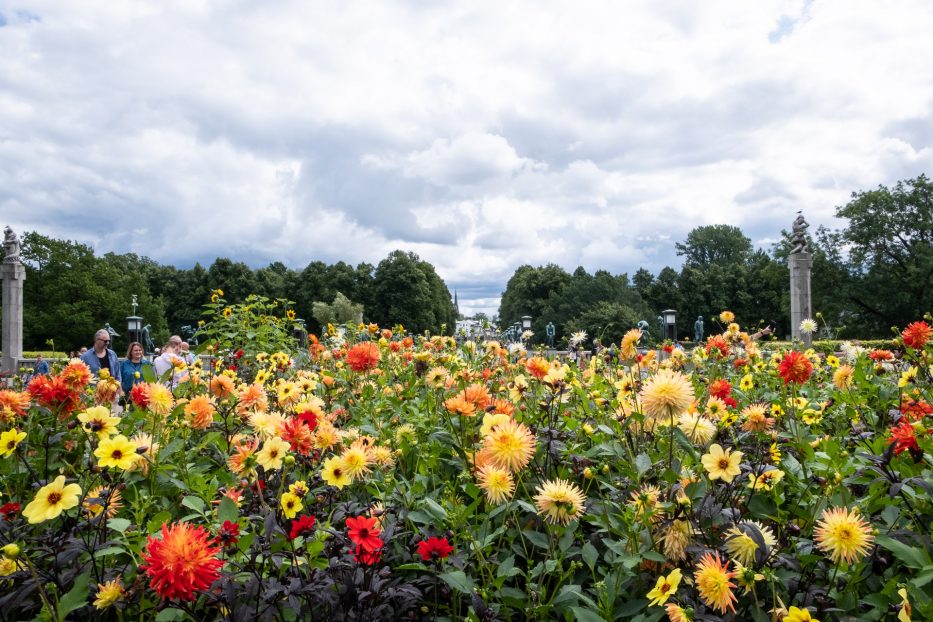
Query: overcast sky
[[480, 135]]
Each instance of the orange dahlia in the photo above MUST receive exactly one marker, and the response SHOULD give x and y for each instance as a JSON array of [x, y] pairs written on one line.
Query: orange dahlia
[[795, 367], [199, 412], [14, 403], [183, 562], [537, 366], [76, 375], [712, 579], [221, 386], [363, 356], [916, 335]]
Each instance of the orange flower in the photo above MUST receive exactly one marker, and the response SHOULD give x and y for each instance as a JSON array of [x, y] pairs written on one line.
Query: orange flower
[[795, 367], [199, 412], [183, 562], [460, 406], [252, 398], [363, 356], [13, 403], [537, 366], [76, 375], [243, 462], [916, 335], [478, 395], [712, 581], [221, 386], [719, 344]]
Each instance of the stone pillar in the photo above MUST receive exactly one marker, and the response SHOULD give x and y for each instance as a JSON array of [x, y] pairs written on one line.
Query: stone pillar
[[13, 274], [800, 306]]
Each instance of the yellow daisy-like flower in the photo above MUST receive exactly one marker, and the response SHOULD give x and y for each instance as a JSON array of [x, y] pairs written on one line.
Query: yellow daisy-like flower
[[436, 377], [559, 501], [775, 454], [51, 500], [496, 482], [108, 593], [334, 473], [9, 440], [716, 409], [727, 317], [832, 361], [510, 445], [118, 452], [100, 421], [356, 462], [798, 615], [491, 420], [102, 498], [842, 534], [765, 480], [842, 377], [675, 538], [722, 464], [272, 452], [712, 579], [750, 542], [160, 399], [747, 383], [291, 504], [696, 427], [288, 393], [666, 395], [228, 312], [664, 588]]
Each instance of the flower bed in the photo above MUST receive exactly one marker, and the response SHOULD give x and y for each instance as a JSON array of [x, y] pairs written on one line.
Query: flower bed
[[412, 478]]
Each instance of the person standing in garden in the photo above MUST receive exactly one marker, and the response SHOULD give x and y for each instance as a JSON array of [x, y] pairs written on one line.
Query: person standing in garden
[[41, 368], [101, 356], [132, 368]]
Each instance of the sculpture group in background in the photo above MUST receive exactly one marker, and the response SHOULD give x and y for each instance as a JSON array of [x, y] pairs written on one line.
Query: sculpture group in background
[[11, 244], [800, 234]]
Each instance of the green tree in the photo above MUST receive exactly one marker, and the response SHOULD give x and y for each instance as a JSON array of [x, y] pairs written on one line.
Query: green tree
[[341, 311], [408, 291]]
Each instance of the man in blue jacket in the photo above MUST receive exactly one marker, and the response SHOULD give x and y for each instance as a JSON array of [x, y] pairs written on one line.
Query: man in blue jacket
[[101, 356]]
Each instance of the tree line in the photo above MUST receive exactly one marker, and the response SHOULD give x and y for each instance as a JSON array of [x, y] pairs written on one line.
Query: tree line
[[70, 292], [870, 275]]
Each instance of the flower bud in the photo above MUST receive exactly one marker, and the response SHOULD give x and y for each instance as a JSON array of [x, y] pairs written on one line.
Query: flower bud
[[11, 550]]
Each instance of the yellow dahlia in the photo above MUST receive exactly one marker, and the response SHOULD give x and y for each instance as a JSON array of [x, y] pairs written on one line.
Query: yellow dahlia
[[51, 500], [842, 534], [560, 501], [355, 461], [118, 452], [666, 395], [108, 593], [712, 581], [334, 473], [750, 542], [664, 588], [842, 377], [722, 464], [696, 427], [272, 452], [496, 482], [510, 445]]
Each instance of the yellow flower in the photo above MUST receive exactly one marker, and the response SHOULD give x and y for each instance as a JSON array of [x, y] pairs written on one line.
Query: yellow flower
[[727, 317], [904, 614], [664, 588], [675, 539], [696, 427], [496, 482], [666, 395], [9, 440], [775, 454], [798, 615], [355, 462], [100, 421], [228, 312], [560, 501], [108, 593], [842, 377], [510, 445], [491, 420], [765, 480], [712, 581], [291, 504], [11, 550], [722, 464], [747, 383], [51, 500], [9, 566], [334, 473], [742, 542], [272, 452], [844, 535], [832, 361], [118, 452]]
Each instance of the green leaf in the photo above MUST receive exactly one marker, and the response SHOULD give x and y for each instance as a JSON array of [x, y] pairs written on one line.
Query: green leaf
[[590, 555], [911, 556], [119, 524], [75, 598], [155, 523], [195, 503], [170, 615], [643, 464], [536, 538], [586, 615], [435, 510], [228, 511], [507, 568], [458, 581]]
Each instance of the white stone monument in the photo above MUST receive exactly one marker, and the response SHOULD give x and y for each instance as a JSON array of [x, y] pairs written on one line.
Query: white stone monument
[[13, 274], [800, 261]]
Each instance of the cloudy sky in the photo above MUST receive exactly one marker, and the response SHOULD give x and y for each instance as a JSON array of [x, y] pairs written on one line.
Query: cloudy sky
[[480, 135]]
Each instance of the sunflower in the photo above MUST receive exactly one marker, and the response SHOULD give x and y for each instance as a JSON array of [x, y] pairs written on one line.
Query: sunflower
[[844, 535], [666, 395], [712, 581], [51, 500], [722, 464], [510, 445], [496, 482], [560, 501]]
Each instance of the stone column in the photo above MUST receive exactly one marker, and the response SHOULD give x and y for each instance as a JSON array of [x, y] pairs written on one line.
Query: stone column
[[800, 306], [13, 274]]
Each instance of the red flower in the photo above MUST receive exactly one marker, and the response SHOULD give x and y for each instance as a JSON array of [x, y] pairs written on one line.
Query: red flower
[[239, 354], [76, 375], [363, 356], [309, 417], [730, 402], [739, 363], [229, 533], [369, 558], [916, 335], [668, 348], [9, 510], [434, 548], [720, 388], [408, 342], [302, 525], [362, 530], [55, 394], [298, 435], [881, 355], [140, 395], [719, 344], [916, 410], [904, 437], [182, 562], [795, 367]]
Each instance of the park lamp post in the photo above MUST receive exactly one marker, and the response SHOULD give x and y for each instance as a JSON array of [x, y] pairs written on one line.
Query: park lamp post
[[134, 323], [526, 323], [670, 324], [299, 332]]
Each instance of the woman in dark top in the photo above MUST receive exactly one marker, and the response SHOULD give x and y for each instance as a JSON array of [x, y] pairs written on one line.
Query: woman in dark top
[[132, 368]]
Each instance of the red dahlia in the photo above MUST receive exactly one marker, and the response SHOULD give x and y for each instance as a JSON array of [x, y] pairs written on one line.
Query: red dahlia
[[904, 438], [182, 563], [362, 530], [717, 344], [363, 356], [916, 335], [720, 388], [302, 525], [795, 367], [434, 548]]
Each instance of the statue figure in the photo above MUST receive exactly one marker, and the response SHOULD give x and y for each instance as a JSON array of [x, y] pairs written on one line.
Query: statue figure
[[11, 242], [549, 332], [110, 330], [800, 241], [148, 345], [698, 329]]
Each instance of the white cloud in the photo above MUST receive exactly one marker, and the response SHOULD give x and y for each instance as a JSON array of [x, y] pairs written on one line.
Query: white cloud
[[481, 136]]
